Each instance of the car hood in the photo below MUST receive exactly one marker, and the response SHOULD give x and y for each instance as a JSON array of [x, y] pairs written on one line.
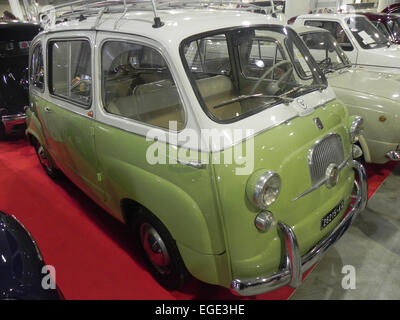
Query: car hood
[[382, 84], [386, 57]]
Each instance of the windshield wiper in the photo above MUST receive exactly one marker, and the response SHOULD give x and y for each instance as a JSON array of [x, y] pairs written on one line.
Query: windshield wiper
[[328, 70], [305, 86], [251, 96]]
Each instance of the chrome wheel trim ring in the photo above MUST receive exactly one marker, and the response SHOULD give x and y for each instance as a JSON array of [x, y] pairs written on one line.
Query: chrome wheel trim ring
[[43, 158], [155, 248]]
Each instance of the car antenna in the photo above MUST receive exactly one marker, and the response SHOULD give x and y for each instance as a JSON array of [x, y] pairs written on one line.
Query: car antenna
[[157, 21]]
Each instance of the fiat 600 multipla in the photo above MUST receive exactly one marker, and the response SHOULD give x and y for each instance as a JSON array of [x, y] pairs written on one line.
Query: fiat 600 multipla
[[368, 93], [212, 133], [364, 44]]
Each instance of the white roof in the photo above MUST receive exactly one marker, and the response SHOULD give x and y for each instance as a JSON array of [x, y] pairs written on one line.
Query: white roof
[[303, 29], [178, 23], [329, 16]]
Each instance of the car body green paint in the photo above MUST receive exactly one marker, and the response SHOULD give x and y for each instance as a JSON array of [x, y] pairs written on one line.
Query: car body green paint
[[206, 209], [214, 222]]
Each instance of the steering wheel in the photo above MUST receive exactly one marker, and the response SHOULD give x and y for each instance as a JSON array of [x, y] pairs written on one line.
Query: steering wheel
[[270, 70], [325, 63], [122, 67]]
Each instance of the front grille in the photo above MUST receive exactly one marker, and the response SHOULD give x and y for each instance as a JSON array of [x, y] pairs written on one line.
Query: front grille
[[324, 152]]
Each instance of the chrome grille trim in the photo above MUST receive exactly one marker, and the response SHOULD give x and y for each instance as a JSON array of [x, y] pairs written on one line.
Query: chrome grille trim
[[325, 151]]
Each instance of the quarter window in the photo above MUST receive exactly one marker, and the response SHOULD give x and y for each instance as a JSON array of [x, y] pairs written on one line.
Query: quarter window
[[37, 69], [70, 73], [137, 84]]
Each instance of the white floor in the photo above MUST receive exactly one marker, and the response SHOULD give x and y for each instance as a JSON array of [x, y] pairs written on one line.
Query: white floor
[[371, 246]]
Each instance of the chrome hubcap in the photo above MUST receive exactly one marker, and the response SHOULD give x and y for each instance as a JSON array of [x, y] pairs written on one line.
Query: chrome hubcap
[[43, 158], [155, 248]]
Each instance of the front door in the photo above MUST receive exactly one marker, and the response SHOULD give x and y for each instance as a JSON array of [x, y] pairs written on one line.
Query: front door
[[69, 109]]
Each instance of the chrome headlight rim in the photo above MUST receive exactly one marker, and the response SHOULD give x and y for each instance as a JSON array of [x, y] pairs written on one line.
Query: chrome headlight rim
[[261, 186], [356, 128]]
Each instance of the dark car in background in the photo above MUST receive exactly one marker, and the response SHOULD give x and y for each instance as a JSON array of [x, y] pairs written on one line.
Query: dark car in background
[[389, 24], [393, 8], [21, 264], [15, 38]]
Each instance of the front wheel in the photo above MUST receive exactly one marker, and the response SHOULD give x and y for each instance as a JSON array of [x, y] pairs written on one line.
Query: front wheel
[[160, 251], [46, 162]]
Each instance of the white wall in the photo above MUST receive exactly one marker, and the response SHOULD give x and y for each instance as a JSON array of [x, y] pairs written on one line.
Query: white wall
[[297, 7], [4, 6]]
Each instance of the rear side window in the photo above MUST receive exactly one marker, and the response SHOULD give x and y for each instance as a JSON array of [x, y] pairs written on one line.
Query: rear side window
[[137, 84], [70, 70], [37, 69]]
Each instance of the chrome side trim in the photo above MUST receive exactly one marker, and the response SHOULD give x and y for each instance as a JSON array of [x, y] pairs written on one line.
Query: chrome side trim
[[294, 265], [322, 181]]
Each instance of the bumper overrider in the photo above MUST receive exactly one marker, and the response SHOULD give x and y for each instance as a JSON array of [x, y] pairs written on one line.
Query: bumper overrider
[[394, 155], [294, 264], [10, 121]]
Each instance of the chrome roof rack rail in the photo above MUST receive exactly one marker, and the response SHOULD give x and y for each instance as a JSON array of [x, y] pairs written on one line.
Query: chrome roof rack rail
[[81, 9]]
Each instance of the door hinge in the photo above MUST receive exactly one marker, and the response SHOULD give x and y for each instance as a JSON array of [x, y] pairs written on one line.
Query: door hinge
[[99, 177]]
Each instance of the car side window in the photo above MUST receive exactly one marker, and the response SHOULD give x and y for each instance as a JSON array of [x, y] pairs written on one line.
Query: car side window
[[70, 70], [36, 68], [263, 55], [137, 84], [336, 30], [210, 55]]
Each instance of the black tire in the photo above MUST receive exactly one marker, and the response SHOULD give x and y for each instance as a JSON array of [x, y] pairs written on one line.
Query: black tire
[[169, 270], [46, 161]]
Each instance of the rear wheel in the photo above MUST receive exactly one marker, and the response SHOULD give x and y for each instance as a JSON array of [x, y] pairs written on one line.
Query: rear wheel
[[46, 161], [160, 251]]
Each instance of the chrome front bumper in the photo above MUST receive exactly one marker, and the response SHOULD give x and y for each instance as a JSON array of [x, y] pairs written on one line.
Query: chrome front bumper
[[393, 155], [11, 121], [294, 264]]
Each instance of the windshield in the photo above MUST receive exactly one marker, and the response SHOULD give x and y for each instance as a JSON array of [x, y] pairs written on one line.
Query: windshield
[[326, 51], [382, 28], [394, 27], [240, 72], [366, 34]]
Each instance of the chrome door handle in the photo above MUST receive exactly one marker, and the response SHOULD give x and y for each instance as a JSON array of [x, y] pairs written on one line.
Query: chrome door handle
[[193, 164], [47, 109]]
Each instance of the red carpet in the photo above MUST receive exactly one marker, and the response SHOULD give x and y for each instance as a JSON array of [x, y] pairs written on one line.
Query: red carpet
[[94, 255]]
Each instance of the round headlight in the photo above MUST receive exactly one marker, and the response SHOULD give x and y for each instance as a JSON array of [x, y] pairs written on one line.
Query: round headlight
[[263, 188], [356, 128]]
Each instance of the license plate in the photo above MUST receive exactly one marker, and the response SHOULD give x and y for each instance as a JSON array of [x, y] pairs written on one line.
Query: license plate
[[332, 215]]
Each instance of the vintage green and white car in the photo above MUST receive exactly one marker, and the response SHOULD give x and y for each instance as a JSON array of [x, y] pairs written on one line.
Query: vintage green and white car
[[230, 162], [371, 94]]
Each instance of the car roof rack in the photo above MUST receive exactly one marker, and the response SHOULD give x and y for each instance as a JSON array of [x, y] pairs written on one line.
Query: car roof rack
[[81, 9]]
